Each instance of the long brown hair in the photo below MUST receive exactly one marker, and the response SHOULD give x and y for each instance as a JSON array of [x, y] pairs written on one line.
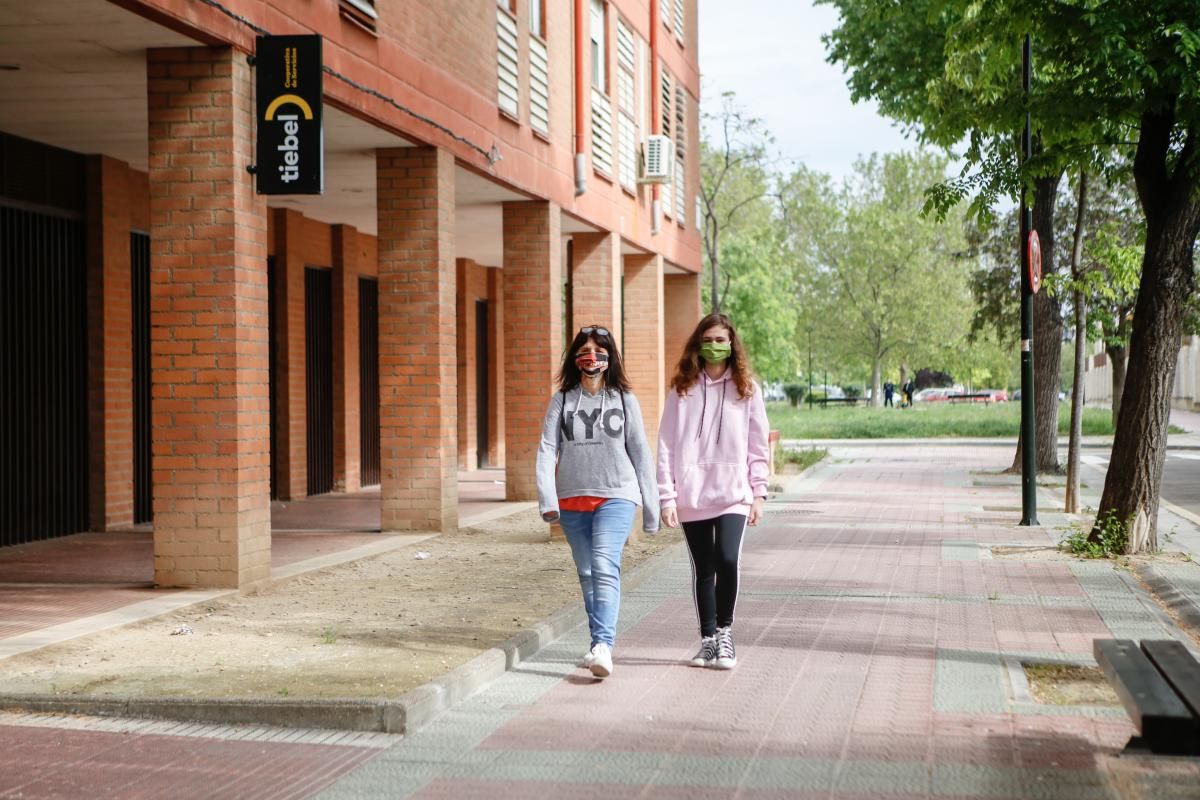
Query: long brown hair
[[690, 363]]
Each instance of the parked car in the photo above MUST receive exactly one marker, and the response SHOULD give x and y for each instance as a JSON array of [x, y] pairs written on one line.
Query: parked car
[[931, 395]]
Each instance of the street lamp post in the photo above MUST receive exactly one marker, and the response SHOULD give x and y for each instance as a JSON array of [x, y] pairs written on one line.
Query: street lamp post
[[1028, 420]]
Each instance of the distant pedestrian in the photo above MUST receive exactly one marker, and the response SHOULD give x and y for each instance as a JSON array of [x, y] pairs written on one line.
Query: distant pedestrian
[[712, 473], [909, 388], [889, 389], [594, 467]]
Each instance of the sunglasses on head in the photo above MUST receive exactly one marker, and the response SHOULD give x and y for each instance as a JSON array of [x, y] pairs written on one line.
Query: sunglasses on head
[[588, 330]]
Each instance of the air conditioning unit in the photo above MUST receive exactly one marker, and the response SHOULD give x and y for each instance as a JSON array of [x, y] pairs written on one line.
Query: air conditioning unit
[[658, 159]]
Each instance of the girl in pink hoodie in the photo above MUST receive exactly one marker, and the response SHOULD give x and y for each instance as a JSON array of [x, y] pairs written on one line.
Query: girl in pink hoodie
[[712, 473]]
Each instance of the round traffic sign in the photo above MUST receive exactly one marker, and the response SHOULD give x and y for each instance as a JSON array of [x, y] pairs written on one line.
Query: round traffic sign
[[1035, 262]]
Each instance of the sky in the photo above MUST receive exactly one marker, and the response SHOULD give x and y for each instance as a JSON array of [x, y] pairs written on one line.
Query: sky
[[769, 52]]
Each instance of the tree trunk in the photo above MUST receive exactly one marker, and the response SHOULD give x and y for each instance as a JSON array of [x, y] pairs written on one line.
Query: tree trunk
[[877, 382], [1047, 336], [1117, 358], [1071, 505], [1172, 208], [1073, 448]]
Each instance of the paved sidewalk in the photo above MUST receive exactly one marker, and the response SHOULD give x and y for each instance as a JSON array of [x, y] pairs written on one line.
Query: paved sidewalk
[[881, 641], [880, 646]]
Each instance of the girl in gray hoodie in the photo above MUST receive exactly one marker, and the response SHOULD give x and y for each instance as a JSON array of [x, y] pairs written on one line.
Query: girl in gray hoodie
[[594, 467]]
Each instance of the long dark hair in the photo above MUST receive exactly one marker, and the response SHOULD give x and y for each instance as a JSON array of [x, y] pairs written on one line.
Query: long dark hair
[[614, 377], [690, 363]]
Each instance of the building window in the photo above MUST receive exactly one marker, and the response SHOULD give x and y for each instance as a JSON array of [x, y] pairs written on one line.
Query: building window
[[537, 18], [599, 51], [539, 70], [361, 12], [679, 20], [508, 5], [627, 128], [508, 95]]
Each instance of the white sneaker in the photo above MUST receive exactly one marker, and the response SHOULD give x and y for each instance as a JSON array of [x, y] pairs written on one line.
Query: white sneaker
[[589, 658], [707, 652], [726, 654], [602, 665]]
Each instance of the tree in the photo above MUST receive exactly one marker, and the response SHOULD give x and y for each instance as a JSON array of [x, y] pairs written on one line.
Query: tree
[[735, 184], [880, 273], [1122, 75], [761, 299], [908, 58]]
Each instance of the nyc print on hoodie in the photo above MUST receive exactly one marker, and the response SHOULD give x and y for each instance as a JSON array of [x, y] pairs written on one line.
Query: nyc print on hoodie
[[595, 446], [712, 450]]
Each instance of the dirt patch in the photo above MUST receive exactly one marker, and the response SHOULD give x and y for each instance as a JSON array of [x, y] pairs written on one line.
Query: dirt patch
[[1069, 685], [371, 628]]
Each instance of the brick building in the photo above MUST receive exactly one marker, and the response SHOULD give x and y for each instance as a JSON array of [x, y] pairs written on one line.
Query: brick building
[[178, 347]]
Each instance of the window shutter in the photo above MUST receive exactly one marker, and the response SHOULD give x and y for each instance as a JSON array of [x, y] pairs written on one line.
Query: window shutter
[[539, 86], [509, 87]]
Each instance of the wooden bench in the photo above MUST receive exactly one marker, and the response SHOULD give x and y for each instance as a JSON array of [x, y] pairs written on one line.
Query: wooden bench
[[1159, 685], [824, 401], [985, 397]]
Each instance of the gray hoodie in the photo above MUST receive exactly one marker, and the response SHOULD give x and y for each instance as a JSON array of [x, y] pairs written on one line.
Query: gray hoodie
[[598, 445]]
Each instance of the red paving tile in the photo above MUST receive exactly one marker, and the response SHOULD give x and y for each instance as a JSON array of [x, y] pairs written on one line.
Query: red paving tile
[[29, 608], [49, 763]]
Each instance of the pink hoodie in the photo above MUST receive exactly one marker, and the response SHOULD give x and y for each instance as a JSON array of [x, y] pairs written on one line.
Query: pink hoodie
[[712, 450]]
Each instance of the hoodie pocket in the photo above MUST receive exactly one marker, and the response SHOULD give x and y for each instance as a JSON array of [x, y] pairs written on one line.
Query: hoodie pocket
[[710, 484]]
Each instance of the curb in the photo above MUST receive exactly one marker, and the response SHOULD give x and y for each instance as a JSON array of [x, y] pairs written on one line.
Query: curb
[[1174, 599], [404, 714]]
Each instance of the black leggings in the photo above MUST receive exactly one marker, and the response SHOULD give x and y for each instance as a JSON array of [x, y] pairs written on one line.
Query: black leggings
[[716, 547]]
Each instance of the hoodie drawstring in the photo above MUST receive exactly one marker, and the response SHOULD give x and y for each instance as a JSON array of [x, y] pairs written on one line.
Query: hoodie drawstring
[[705, 382]]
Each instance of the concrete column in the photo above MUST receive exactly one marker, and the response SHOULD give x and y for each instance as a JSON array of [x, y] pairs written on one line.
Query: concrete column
[[596, 281], [212, 518], [681, 306], [110, 345], [418, 378], [346, 440], [644, 362], [532, 334]]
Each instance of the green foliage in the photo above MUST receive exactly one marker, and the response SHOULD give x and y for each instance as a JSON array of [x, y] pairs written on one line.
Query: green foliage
[[879, 283], [801, 458], [760, 299], [1109, 538], [794, 392], [852, 390]]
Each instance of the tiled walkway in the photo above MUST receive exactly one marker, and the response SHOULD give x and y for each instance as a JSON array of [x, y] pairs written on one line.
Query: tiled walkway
[[881, 642], [880, 645]]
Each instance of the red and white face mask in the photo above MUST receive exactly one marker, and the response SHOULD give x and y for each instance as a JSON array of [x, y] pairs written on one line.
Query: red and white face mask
[[592, 364]]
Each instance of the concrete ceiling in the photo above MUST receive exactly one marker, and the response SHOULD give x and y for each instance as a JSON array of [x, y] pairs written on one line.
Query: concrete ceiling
[[73, 75]]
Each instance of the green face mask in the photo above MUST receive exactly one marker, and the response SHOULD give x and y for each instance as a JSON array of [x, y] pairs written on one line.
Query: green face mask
[[715, 352]]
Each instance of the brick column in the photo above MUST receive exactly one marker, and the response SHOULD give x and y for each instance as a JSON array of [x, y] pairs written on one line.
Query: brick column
[[496, 373], [532, 334], [681, 305], [212, 519], [644, 361], [110, 345], [472, 287], [346, 440], [290, 406], [596, 281], [417, 350]]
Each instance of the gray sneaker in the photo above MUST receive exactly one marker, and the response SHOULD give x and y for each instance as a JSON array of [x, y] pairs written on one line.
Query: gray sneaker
[[707, 653], [726, 654]]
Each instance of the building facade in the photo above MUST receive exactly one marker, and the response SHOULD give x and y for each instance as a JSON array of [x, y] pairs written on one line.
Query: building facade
[[1185, 393], [180, 349]]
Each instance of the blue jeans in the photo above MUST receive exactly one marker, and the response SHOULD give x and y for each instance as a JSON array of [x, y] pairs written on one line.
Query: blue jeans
[[597, 539]]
